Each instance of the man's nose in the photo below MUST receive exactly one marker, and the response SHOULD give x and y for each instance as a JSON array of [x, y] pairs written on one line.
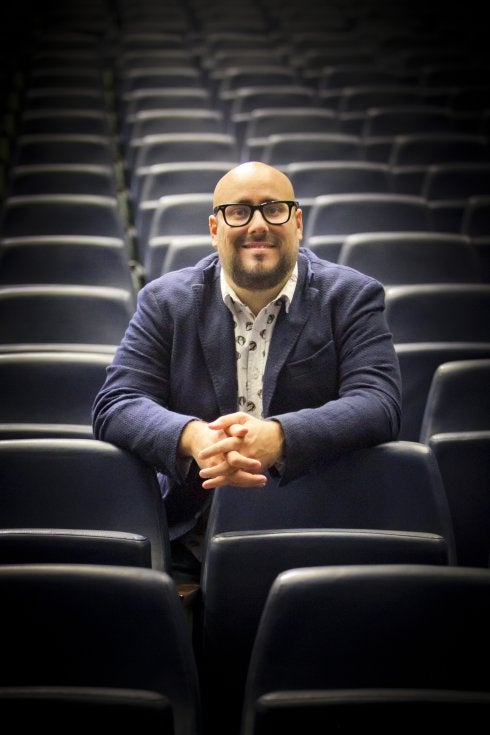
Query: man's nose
[[258, 221]]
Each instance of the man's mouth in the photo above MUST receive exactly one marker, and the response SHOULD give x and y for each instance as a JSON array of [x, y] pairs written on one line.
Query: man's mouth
[[257, 245]]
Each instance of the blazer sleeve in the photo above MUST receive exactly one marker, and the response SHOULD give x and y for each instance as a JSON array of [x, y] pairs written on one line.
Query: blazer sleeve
[[131, 409], [367, 408]]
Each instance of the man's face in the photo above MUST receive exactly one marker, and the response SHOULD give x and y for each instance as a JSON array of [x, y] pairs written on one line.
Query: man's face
[[259, 255]]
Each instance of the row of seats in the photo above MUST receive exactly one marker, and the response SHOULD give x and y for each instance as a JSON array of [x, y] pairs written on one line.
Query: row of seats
[[394, 535], [49, 395], [93, 316], [253, 537], [36, 223], [401, 514], [151, 679], [130, 69], [328, 218], [290, 92]]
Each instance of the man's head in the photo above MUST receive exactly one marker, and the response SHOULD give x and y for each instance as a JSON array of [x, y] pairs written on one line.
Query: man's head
[[260, 255]]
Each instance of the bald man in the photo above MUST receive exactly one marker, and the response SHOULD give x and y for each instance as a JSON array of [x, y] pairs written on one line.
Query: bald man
[[262, 359]]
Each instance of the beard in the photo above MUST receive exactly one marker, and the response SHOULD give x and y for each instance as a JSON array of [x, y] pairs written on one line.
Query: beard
[[261, 276]]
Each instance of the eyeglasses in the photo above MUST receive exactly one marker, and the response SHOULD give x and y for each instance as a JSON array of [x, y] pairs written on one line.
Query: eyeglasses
[[238, 215]]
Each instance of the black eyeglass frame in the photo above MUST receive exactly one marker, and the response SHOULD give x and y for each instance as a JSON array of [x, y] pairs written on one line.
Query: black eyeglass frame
[[253, 207]]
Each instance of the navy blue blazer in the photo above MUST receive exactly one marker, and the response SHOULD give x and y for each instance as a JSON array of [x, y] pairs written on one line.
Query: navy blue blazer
[[332, 377]]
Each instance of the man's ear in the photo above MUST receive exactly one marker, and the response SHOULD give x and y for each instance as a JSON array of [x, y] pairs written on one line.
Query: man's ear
[[299, 223], [213, 228]]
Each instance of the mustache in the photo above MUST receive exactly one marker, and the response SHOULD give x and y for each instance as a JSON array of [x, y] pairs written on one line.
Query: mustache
[[266, 238]]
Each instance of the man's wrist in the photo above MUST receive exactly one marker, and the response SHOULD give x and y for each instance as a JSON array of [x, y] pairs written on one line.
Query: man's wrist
[[280, 442], [188, 437]]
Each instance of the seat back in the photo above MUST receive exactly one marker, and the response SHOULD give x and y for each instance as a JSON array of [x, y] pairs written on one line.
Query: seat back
[[49, 393], [185, 251], [352, 710], [54, 706], [315, 178], [448, 187], [456, 181], [239, 569], [65, 98], [334, 216], [181, 76], [268, 121], [441, 312], [62, 179], [170, 179], [401, 489], [172, 120], [34, 317], [73, 546], [282, 149], [176, 119], [476, 216], [458, 398], [240, 77], [422, 627], [418, 361], [363, 97], [424, 148], [175, 147], [79, 260], [82, 484], [253, 97], [65, 122], [38, 215], [178, 215], [99, 627], [345, 214], [337, 76], [410, 119], [63, 148], [159, 98], [464, 462], [60, 75], [397, 258]]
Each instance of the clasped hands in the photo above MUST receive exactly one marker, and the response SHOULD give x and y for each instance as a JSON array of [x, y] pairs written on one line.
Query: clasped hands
[[234, 449]]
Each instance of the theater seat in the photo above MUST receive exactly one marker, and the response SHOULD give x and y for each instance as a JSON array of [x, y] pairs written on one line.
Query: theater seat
[[423, 628], [98, 627], [239, 569], [82, 485]]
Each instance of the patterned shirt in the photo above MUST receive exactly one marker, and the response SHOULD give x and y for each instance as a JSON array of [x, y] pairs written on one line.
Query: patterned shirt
[[252, 339]]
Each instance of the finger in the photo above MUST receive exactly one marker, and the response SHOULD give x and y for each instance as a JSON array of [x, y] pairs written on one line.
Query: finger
[[238, 479], [215, 482], [239, 461], [214, 470], [234, 461], [223, 422], [237, 430], [232, 430], [220, 447]]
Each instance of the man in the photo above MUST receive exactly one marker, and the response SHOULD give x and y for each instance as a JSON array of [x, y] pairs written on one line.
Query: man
[[260, 359]]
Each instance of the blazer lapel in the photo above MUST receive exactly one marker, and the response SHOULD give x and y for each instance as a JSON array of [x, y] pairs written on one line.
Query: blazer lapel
[[216, 332], [287, 330]]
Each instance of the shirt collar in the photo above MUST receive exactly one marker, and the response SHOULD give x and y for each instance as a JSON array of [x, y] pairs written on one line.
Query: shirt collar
[[286, 294]]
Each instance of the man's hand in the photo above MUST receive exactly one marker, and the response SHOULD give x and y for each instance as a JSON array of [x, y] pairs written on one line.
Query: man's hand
[[200, 441], [239, 439]]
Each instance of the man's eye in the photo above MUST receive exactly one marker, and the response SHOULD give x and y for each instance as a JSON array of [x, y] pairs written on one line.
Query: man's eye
[[273, 210], [239, 211]]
